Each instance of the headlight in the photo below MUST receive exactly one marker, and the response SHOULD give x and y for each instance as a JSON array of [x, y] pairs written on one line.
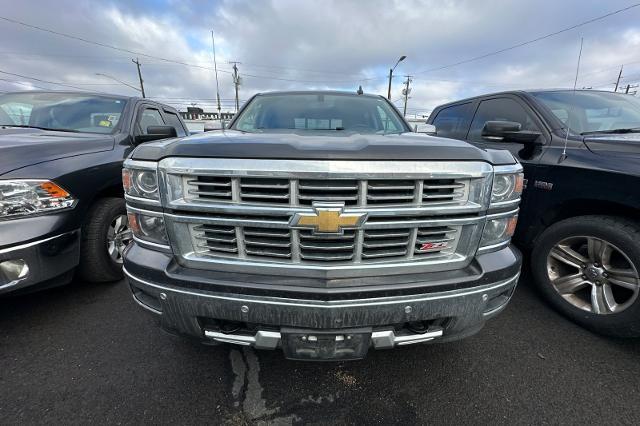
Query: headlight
[[148, 228], [140, 183], [498, 231], [31, 196], [506, 187]]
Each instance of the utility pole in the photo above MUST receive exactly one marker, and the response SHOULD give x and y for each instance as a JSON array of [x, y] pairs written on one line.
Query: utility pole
[[406, 92], [630, 86], [618, 80], [215, 67], [137, 62], [236, 81]]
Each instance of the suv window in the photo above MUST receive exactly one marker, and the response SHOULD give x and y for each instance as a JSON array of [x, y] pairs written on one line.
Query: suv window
[[150, 117], [500, 109], [173, 120], [453, 121]]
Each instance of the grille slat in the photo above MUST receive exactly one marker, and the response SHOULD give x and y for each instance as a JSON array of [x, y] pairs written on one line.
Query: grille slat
[[327, 247], [328, 197], [199, 183], [218, 239], [218, 247], [212, 194]]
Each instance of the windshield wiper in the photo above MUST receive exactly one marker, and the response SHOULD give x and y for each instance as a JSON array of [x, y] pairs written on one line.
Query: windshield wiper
[[22, 126], [613, 131]]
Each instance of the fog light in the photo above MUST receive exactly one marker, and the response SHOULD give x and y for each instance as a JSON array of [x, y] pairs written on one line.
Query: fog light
[[14, 269]]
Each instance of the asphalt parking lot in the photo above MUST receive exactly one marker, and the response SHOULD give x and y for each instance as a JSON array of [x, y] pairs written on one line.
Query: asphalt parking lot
[[86, 353]]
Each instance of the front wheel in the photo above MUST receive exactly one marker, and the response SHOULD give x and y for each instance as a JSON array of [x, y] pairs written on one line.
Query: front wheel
[[105, 235], [587, 267]]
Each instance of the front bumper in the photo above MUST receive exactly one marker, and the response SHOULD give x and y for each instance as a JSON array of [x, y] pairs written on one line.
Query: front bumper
[[188, 303], [47, 261]]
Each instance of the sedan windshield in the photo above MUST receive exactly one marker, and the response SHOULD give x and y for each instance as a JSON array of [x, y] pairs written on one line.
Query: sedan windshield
[[61, 111], [586, 112], [320, 112]]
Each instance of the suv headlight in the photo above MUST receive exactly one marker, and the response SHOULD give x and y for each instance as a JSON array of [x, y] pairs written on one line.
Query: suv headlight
[[140, 182], [498, 231], [506, 187], [23, 197], [148, 227]]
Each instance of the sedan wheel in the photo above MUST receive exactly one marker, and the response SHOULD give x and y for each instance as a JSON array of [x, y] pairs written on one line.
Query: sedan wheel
[[592, 274]]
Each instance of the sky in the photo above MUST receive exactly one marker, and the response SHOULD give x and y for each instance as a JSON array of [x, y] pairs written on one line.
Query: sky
[[322, 44]]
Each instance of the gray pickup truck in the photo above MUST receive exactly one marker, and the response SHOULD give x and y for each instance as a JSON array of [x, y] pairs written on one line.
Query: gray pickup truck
[[319, 223]]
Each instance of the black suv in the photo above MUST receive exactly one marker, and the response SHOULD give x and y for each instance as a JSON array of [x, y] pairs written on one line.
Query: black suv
[[61, 157], [579, 214]]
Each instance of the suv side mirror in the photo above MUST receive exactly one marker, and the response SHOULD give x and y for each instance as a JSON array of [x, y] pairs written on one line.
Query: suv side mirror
[[155, 133], [428, 129], [509, 131]]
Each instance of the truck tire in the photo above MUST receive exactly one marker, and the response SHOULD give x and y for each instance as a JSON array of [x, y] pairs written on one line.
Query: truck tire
[[587, 267], [105, 233]]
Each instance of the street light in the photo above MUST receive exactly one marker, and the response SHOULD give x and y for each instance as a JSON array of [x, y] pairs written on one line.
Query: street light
[[402, 58], [119, 81]]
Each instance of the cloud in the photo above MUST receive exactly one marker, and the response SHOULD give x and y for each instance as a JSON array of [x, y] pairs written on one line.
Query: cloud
[[337, 44]]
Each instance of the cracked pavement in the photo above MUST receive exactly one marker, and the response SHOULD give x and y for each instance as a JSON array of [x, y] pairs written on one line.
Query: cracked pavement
[[86, 353]]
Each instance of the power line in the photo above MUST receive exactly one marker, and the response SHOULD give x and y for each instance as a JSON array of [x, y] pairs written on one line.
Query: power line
[[515, 46], [46, 81], [168, 60]]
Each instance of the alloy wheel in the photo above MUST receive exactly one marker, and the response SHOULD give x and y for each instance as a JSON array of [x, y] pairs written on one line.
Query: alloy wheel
[[118, 237], [593, 275]]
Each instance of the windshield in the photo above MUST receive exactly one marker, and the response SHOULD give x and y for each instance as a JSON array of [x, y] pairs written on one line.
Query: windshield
[[61, 111], [598, 112], [320, 111]]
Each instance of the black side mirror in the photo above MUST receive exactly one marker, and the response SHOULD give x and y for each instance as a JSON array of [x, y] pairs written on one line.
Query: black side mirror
[[509, 131], [155, 133]]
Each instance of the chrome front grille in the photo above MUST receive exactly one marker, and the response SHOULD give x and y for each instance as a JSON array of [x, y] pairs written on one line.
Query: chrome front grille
[[226, 213]]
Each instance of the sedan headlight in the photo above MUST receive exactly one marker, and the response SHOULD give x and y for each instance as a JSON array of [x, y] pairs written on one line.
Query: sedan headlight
[[22, 197], [498, 231], [507, 187], [148, 227], [141, 183]]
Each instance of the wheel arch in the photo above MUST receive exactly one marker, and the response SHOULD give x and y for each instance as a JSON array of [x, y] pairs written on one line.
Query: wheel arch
[[579, 207]]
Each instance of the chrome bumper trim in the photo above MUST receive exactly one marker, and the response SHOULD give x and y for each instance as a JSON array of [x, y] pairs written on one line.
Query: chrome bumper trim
[[271, 339], [388, 339], [261, 340]]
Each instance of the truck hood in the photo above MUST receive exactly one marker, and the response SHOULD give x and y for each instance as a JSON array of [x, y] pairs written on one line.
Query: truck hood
[[20, 147], [330, 145], [618, 145]]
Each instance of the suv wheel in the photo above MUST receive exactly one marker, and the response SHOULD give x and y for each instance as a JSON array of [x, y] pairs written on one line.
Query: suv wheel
[[105, 235], [587, 267]]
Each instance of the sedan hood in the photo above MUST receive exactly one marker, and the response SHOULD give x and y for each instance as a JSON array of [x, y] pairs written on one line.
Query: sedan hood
[[331, 145], [20, 147], [622, 145]]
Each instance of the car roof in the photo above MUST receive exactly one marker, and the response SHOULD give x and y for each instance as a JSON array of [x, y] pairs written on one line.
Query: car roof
[[319, 92], [521, 92]]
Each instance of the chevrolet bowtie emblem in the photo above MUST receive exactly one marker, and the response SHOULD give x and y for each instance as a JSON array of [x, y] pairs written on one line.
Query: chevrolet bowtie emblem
[[328, 219]]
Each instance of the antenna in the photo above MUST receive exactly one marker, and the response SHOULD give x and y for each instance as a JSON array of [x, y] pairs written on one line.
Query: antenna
[[575, 83], [215, 67]]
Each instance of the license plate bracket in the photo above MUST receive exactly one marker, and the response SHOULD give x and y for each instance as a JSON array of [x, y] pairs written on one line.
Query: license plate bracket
[[331, 345]]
